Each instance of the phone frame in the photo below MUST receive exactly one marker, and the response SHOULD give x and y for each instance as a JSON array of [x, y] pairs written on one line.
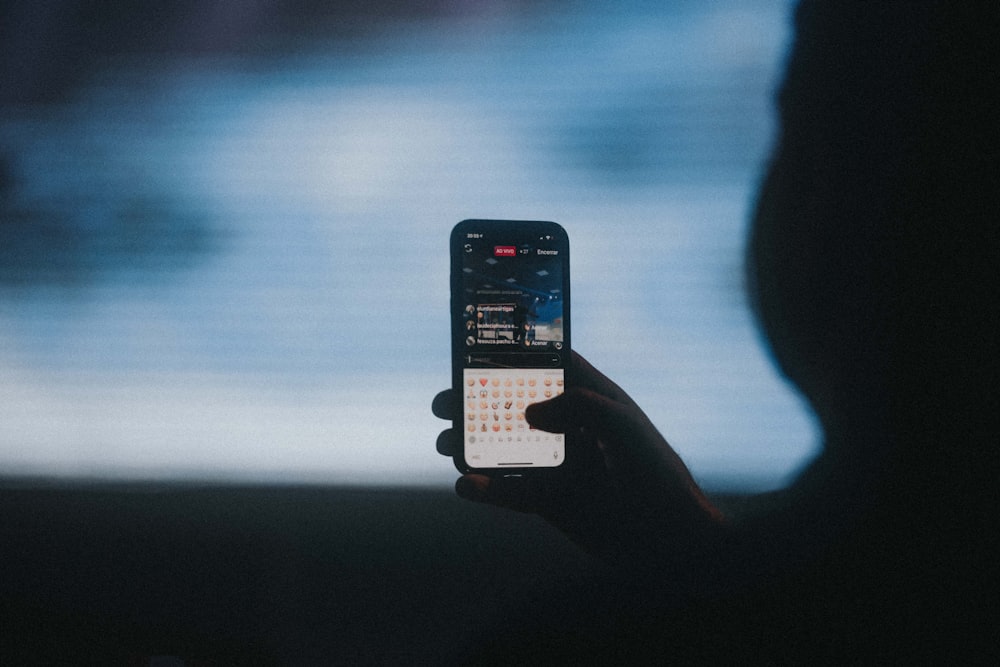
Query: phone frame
[[513, 229]]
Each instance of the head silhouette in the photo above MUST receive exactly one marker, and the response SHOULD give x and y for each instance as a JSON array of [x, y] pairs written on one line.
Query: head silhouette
[[873, 257]]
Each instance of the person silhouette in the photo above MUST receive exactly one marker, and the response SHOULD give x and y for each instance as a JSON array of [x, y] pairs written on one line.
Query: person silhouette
[[872, 268], [520, 319]]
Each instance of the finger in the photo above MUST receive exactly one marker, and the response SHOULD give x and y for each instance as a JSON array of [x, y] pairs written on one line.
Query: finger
[[473, 487], [448, 442], [580, 512], [446, 405], [523, 494]]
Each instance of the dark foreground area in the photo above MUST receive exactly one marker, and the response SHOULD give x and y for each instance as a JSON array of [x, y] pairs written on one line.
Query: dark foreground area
[[263, 575]]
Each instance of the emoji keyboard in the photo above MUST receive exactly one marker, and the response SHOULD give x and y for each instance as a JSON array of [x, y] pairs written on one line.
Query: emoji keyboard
[[496, 431]]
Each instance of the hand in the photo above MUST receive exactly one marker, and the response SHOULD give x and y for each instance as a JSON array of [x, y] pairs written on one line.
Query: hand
[[623, 494]]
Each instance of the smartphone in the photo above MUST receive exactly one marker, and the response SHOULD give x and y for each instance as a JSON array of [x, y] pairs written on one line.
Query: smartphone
[[510, 326]]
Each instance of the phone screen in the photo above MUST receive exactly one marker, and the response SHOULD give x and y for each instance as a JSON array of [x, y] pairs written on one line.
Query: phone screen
[[510, 338]]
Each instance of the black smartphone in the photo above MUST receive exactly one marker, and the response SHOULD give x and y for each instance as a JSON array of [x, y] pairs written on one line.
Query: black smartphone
[[510, 327]]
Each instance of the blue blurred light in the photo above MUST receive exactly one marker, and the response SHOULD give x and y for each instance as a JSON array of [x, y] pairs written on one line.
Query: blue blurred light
[[244, 273]]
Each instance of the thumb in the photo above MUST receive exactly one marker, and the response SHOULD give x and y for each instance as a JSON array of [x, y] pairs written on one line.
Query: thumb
[[633, 449], [612, 422]]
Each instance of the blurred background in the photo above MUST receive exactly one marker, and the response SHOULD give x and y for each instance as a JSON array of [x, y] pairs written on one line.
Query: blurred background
[[224, 225]]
